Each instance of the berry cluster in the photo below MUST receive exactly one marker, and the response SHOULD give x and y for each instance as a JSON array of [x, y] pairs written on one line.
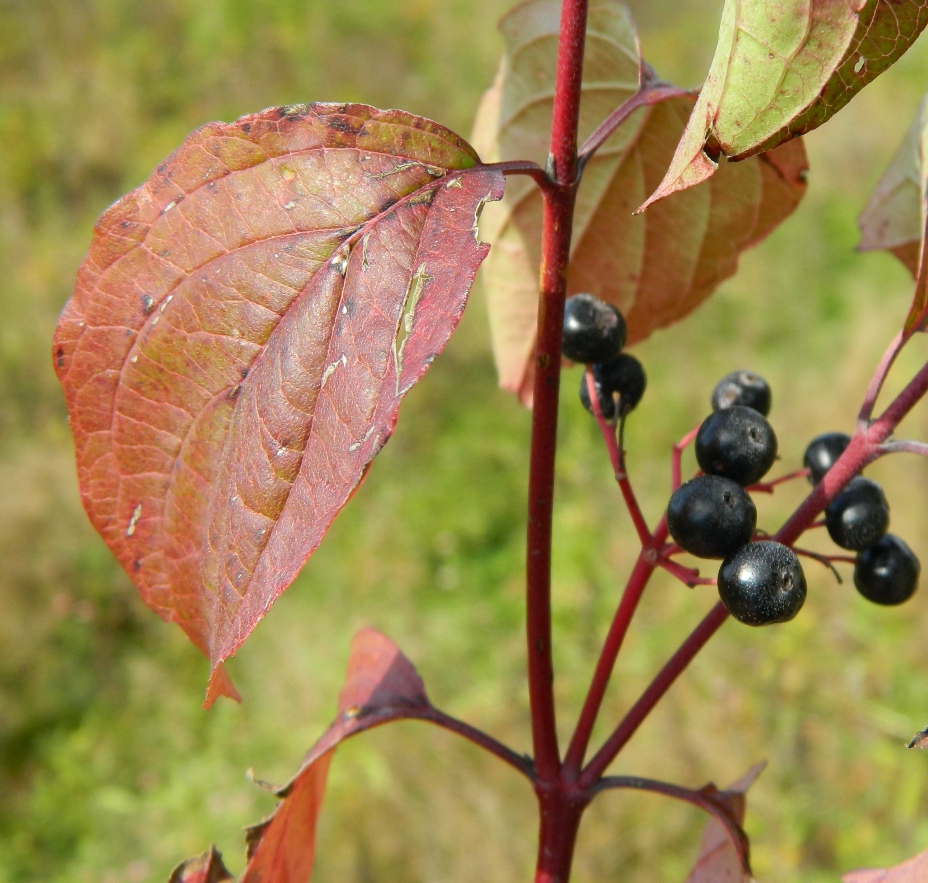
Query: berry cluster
[[594, 333], [713, 516], [886, 570]]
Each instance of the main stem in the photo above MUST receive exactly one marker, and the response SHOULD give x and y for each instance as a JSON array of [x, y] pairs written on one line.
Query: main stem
[[556, 232], [559, 810]]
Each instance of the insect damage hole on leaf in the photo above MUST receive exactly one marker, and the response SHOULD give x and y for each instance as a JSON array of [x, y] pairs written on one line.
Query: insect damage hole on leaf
[[407, 317]]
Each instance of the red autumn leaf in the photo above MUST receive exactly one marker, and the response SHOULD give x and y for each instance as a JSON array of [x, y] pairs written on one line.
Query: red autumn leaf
[[241, 334], [915, 870], [896, 216], [719, 860], [655, 267], [893, 217], [206, 868], [381, 686]]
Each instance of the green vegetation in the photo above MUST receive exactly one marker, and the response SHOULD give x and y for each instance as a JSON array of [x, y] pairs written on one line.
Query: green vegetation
[[109, 769]]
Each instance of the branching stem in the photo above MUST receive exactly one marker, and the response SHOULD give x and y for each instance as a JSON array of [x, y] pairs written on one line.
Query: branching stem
[[652, 695]]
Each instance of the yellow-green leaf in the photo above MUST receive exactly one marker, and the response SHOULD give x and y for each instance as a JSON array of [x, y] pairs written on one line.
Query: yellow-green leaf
[[781, 70]]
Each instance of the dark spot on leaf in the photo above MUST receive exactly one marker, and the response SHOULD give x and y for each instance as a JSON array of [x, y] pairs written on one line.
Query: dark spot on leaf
[[244, 373], [136, 565], [343, 124], [543, 360], [59, 356], [162, 169], [233, 393], [148, 303], [388, 204], [246, 127], [124, 224]]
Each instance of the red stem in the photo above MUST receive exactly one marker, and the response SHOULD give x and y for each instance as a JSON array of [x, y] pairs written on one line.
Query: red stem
[[519, 762], [879, 376], [560, 810], [617, 459], [522, 167], [652, 695], [555, 249], [634, 589], [645, 96], [866, 446], [676, 457], [704, 799]]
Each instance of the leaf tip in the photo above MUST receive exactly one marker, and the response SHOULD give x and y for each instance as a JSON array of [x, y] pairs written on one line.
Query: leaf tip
[[220, 684], [701, 167]]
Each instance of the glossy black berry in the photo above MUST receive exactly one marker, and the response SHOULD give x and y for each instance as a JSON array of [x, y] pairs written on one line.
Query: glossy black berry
[[822, 453], [858, 517], [742, 388], [888, 572], [624, 376], [737, 443], [711, 516], [594, 331], [762, 583]]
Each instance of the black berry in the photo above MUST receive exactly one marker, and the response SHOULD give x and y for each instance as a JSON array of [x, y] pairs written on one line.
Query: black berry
[[624, 376], [858, 517], [737, 443], [711, 516], [742, 388], [888, 572], [762, 583], [822, 453], [594, 331]]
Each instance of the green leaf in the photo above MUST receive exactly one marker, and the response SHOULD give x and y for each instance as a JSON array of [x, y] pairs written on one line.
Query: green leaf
[[781, 70]]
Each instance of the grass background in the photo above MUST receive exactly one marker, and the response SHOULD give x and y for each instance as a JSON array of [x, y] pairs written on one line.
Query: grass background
[[110, 771]]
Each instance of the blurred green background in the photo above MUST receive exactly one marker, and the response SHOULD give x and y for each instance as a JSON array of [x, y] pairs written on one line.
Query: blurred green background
[[109, 769]]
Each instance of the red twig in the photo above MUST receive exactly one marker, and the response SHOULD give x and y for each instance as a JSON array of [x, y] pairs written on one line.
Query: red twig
[[634, 588], [705, 799], [879, 376], [689, 576], [652, 695], [766, 487], [555, 249], [519, 762], [867, 444], [904, 446], [646, 95], [676, 478], [617, 459], [523, 167], [559, 812]]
